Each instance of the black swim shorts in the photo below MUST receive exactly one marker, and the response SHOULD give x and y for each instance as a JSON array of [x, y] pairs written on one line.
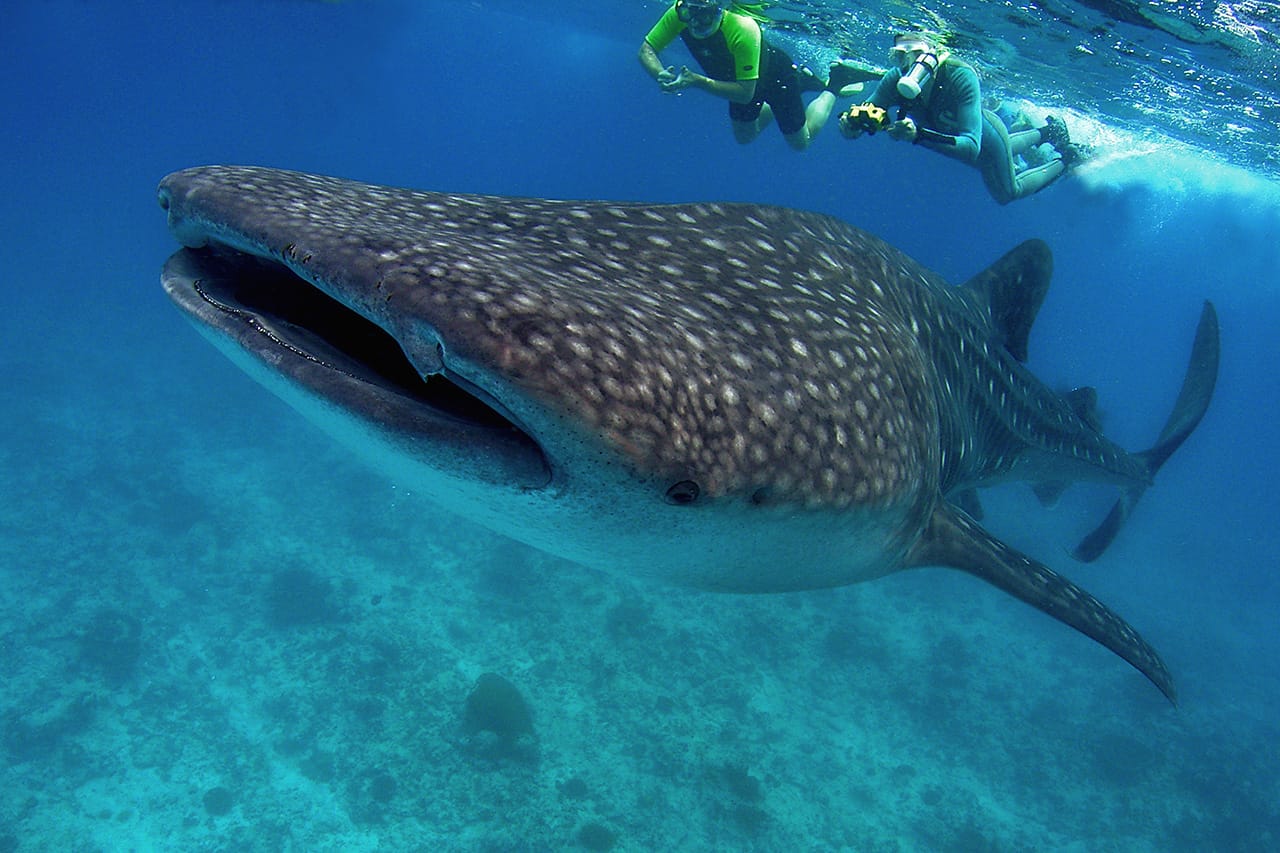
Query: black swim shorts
[[779, 87]]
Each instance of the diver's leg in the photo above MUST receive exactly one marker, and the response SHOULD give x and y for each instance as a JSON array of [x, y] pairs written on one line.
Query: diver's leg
[[1037, 178], [749, 120], [781, 93], [995, 159], [1025, 139], [747, 131], [815, 116], [799, 140], [817, 113], [807, 121]]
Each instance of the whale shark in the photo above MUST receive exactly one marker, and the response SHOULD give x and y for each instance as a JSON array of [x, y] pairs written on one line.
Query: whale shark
[[727, 396]]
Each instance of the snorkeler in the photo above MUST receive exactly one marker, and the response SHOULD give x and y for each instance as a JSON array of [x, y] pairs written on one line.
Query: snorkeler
[[759, 80], [941, 109]]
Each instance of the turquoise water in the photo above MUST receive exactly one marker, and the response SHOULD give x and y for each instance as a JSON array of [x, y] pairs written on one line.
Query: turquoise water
[[219, 632]]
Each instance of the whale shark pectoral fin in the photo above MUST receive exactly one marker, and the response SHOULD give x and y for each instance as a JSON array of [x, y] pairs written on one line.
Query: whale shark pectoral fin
[[954, 540]]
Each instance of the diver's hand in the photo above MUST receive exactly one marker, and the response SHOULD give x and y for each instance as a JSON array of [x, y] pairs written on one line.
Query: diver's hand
[[667, 74], [848, 129], [903, 130], [677, 82]]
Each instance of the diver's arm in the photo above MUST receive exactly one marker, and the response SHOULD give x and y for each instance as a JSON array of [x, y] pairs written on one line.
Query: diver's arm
[[650, 62], [882, 94], [962, 147], [737, 91], [885, 94], [657, 40], [965, 99]]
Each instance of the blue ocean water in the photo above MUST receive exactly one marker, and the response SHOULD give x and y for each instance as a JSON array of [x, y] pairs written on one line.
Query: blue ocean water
[[219, 631]]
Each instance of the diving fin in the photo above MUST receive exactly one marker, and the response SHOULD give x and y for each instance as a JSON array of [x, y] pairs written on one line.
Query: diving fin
[[809, 82], [844, 73]]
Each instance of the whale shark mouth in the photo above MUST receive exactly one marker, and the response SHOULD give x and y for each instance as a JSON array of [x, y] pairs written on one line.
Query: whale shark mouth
[[297, 330]]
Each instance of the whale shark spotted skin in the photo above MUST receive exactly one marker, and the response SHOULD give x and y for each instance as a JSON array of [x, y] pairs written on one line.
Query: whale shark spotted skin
[[728, 396]]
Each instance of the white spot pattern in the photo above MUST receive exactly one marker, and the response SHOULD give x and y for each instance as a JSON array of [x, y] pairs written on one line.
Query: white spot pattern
[[741, 346]]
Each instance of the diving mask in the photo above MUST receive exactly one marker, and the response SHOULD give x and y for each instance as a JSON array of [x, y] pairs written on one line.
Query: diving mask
[[916, 60], [700, 16]]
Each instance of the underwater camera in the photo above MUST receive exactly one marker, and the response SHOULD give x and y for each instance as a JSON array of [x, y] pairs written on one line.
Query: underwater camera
[[867, 117]]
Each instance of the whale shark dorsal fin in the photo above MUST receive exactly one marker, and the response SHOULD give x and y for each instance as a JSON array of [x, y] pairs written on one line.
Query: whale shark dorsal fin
[[954, 540], [1012, 291], [969, 501], [1084, 402]]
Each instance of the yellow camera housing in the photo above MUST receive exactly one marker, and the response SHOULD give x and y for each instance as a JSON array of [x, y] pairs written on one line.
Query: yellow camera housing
[[867, 117]]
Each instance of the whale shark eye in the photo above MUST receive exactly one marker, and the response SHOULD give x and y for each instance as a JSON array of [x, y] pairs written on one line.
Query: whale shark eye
[[683, 492]]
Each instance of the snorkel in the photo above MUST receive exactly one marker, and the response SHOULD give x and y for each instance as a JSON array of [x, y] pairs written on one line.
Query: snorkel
[[917, 60]]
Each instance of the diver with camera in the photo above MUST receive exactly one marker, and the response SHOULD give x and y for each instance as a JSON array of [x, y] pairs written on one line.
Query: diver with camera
[[939, 106]]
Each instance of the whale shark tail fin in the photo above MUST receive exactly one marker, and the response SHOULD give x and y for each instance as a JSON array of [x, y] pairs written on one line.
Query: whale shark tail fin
[[1193, 401]]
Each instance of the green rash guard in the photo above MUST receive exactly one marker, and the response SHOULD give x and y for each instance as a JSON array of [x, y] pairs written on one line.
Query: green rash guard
[[732, 54], [949, 120]]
